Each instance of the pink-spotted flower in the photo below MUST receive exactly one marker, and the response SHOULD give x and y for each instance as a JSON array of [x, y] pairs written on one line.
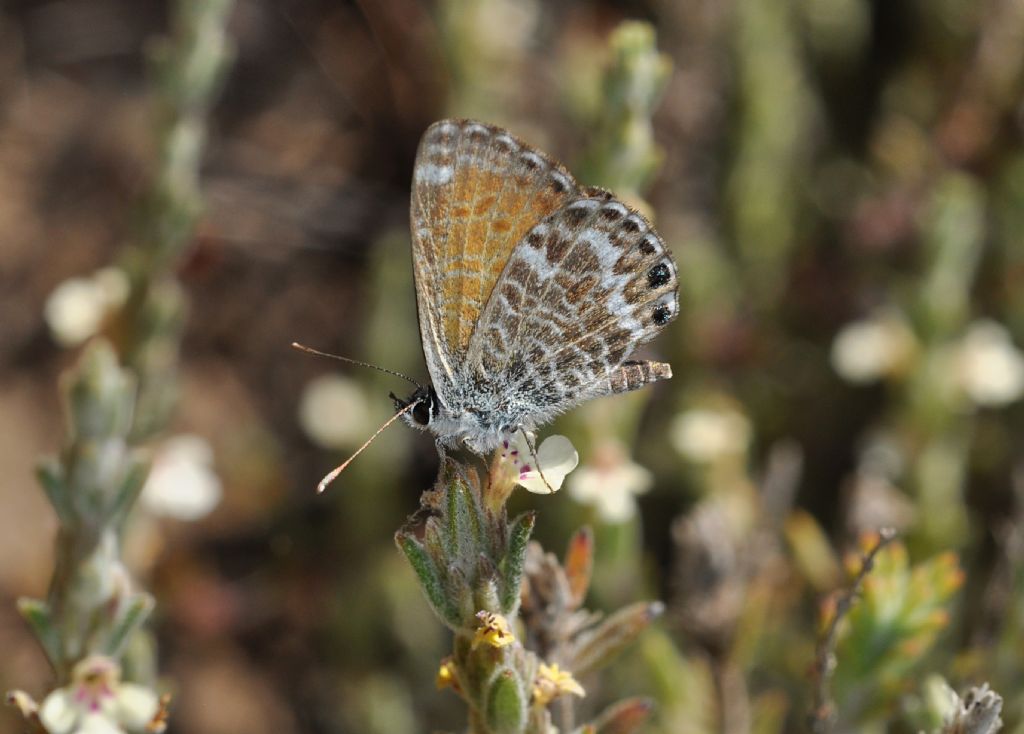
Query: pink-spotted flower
[[542, 469], [98, 702]]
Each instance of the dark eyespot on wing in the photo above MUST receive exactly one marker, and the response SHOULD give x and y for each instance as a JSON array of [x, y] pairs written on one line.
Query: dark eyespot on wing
[[659, 275]]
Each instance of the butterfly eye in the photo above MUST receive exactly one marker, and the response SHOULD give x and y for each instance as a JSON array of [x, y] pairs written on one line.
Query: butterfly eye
[[421, 413]]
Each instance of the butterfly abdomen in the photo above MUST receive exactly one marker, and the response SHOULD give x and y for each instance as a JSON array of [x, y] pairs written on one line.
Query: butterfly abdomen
[[634, 375]]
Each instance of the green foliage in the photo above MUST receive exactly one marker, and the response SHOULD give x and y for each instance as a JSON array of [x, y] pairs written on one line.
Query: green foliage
[[622, 155], [890, 630], [122, 389], [478, 571], [91, 486], [469, 558], [506, 704], [430, 580]]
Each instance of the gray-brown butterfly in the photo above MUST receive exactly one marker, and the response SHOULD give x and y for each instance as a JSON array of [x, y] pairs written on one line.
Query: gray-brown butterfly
[[532, 291]]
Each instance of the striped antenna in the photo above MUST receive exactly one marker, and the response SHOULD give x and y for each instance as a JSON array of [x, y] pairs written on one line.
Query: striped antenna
[[341, 467], [304, 348]]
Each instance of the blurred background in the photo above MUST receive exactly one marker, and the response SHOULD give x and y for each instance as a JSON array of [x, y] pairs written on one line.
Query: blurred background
[[842, 185]]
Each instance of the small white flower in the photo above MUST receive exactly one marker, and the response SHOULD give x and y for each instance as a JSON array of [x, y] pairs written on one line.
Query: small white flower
[[556, 457], [990, 367], [610, 483], [77, 307], [182, 483], [333, 411], [704, 435], [868, 350], [97, 702], [978, 712]]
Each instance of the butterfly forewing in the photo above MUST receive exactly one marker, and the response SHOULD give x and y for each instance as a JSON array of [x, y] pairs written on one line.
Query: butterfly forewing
[[476, 192]]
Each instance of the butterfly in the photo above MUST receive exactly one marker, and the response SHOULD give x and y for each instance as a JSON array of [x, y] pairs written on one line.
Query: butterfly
[[532, 291]]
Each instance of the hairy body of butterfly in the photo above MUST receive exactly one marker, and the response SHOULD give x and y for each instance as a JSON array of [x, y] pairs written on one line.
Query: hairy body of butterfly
[[532, 292]]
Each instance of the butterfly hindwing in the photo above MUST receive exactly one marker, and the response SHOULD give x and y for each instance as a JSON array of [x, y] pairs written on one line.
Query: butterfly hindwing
[[581, 291]]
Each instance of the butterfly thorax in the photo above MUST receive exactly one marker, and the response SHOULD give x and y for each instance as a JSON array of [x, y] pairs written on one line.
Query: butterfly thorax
[[479, 420]]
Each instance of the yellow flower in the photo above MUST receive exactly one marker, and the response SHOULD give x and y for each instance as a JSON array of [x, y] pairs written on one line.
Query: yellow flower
[[553, 682], [493, 630], [446, 675]]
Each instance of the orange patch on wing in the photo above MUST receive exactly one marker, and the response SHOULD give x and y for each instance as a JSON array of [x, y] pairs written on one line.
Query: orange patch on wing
[[484, 205], [451, 289], [468, 315], [476, 248]]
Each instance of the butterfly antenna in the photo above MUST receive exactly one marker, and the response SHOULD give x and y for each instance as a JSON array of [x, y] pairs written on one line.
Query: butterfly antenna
[[341, 467], [304, 348]]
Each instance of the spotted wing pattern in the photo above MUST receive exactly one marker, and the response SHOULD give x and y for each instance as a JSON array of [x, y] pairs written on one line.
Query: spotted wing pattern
[[583, 289], [476, 192]]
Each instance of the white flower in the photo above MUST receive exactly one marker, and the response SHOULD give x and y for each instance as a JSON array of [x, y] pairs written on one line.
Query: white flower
[[868, 350], [978, 712], [76, 308], [989, 366], [556, 457], [610, 483], [182, 483], [333, 411], [704, 435], [97, 702]]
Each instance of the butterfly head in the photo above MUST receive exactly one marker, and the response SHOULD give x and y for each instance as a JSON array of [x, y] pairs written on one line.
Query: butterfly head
[[425, 408]]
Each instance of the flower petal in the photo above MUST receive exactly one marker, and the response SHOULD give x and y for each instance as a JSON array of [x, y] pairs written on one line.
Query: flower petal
[[616, 507], [135, 705], [991, 367], [556, 457], [704, 435], [182, 483], [610, 483], [58, 712], [76, 308], [74, 311], [98, 724]]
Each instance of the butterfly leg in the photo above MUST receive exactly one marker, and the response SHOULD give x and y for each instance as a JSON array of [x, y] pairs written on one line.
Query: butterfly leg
[[536, 461]]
